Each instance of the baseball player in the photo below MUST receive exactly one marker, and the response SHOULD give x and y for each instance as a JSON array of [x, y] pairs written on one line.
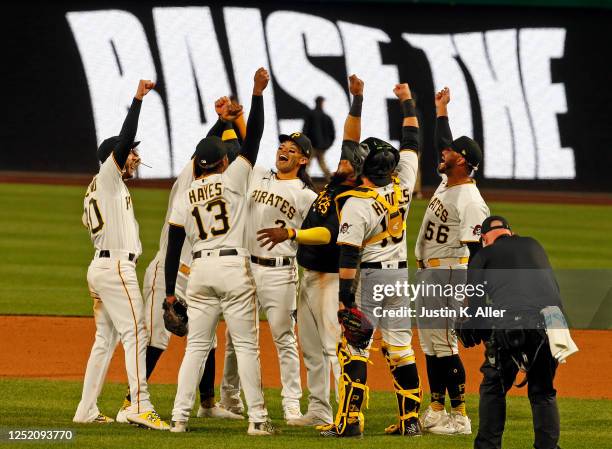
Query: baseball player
[[318, 255], [449, 235], [372, 228], [113, 285], [212, 214], [281, 199], [154, 288]]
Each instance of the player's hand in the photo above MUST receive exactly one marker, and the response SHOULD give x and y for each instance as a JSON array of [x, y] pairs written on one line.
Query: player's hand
[[355, 85], [234, 110], [443, 97], [144, 87], [272, 236], [221, 106], [261, 79], [402, 92]]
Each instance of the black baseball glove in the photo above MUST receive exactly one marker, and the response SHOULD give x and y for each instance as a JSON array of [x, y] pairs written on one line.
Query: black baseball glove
[[467, 335], [175, 316], [356, 327]]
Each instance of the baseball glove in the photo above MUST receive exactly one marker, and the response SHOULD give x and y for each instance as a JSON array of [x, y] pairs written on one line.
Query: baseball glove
[[175, 316], [356, 327]]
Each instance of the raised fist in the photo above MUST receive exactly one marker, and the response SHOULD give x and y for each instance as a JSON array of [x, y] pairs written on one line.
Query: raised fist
[[443, 97], [402, 91], [355, 85], [221, 106], [144, 87], [234, 110], [261, 81]]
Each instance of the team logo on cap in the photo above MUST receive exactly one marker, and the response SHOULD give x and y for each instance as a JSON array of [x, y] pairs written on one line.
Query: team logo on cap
[[463, 152], [295, 135]]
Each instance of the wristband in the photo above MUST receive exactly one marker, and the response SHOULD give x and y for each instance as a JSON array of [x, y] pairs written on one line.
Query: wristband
[[408, 108], [292, 233], [355, 110]]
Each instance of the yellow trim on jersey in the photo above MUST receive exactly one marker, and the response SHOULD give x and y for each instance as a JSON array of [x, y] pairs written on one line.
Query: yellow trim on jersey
[[229, 134], [434, 263], [177, 225], [469, 241], [396, 224]]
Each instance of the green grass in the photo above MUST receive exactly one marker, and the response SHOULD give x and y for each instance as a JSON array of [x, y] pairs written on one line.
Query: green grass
[[46, 250], [29, 404]]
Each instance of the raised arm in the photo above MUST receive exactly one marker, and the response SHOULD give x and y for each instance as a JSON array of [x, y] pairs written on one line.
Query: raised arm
[[352, 124], [442, 134], [410, 123], [255, 123], [130, 124]]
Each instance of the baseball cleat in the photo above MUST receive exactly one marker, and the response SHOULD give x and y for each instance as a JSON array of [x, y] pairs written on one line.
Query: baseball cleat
[[102, 419], [179, 427], [462, 423], [217, 412], [437, 422], [233, 404], [149, 419], [331, 431], [123, 412], [261, 429], [292, 413], [412, 428], [308, 420]]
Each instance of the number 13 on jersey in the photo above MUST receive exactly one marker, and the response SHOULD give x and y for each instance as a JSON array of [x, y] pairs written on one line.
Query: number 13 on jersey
[[212, 216]]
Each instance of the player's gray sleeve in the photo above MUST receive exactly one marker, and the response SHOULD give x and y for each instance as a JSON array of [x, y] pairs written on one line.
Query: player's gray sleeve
[[408, 168], [471, 216], [353, 222]]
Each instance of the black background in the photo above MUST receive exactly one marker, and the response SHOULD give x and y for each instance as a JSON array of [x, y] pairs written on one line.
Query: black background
[[48, 124]]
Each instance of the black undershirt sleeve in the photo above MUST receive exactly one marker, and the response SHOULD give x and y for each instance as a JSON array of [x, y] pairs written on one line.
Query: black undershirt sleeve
[[349, 256], [255, 127], [443, 136], [410, 138], [128, 133], [176, 238], [217, 129]]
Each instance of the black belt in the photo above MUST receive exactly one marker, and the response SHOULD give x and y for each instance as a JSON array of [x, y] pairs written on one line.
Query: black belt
[[270, 262], [107, 253], [379, 265], [222, 252]]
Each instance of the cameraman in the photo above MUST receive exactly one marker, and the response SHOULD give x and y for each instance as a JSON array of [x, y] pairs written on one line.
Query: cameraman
[[516, 275]]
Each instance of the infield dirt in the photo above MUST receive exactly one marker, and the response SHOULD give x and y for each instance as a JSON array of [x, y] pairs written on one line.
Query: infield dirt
[[58, 348]]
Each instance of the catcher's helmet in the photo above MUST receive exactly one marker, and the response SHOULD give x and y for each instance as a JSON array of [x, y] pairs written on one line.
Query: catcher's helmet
[[356, 154], [108, 145], [380, 162]]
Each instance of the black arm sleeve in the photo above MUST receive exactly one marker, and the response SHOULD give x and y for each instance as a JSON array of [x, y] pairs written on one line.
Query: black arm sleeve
[[176, 238], [255, 126], [443, 136], [410, 138], [128, 133], [349, 256], [217, 129]]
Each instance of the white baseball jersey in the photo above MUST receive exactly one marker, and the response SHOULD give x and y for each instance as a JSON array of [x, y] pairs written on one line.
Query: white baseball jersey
[[213, 209], [363, 218], [182, 183], [108, 212], [453, 218], [273, 203]]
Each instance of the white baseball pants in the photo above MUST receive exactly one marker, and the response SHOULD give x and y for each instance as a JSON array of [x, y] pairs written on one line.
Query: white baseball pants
[[119, 315]]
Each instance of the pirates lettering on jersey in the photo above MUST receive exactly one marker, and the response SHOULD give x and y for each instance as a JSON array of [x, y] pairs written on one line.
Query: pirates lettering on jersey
[[436, 206], [205, 192], [274, 200]]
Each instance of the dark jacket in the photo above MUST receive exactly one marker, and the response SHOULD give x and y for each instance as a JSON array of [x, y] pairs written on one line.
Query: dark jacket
[[319, 127]]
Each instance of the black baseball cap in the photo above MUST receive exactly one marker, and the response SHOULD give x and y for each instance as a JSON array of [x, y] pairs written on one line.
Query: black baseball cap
[[209, 151], [108, 145], [381, 161], [300, 139], [469, 149], [486, 224]]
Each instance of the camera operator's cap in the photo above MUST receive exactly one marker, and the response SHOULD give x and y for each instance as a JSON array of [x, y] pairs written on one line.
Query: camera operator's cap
[[469, 149], [300, 139], [108, 145], [486, 224], [209, 151]]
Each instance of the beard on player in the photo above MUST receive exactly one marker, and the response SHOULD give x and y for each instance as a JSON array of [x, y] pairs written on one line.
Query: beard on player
[[345, 172], [131, 165]]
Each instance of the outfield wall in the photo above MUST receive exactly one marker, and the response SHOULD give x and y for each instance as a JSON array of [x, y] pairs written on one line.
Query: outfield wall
[[526, 82]]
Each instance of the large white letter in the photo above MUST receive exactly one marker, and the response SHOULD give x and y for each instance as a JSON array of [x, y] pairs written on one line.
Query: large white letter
[[508, 139], [194, 74], [288, 33], [115, 55], [247, 43], [445, 70], [546, 100], [362, 47]]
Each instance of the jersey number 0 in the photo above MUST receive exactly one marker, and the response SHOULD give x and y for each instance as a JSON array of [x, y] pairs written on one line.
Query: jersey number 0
[[220, 217]]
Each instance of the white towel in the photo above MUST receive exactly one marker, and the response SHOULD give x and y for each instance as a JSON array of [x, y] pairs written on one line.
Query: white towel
[[559, 338]]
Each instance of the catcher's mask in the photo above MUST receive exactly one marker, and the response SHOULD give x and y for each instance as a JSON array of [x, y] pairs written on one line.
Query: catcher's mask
[[356, 156], [380, 162]]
